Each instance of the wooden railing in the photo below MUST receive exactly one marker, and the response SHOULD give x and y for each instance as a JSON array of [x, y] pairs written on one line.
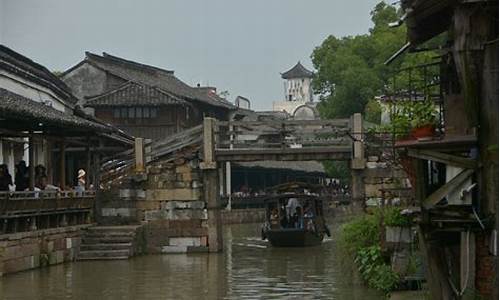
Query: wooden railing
[[292, 139], [281, 134], [15, 204]]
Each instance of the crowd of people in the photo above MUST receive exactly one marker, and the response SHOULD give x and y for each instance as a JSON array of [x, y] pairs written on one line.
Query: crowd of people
[[21, 180], [293, 215], [335, 188]]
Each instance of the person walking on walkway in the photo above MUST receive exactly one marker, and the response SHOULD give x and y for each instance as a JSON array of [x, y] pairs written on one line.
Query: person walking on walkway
[[80, 186]]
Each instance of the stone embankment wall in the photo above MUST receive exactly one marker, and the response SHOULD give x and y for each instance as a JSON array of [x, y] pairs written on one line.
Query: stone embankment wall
[[242, 216], [384, 181], [34, 249], [168, 200]]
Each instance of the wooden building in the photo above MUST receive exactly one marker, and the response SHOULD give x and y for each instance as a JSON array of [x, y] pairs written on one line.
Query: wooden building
[[41, 125], [143, 100], [40, 115], [456, 173]]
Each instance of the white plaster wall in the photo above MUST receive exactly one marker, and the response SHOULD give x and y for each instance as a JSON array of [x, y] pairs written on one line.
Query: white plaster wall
[[288, 106], [31, 90], [299, 88]]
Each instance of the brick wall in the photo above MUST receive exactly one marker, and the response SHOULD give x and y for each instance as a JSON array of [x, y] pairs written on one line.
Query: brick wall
[[486, 267]]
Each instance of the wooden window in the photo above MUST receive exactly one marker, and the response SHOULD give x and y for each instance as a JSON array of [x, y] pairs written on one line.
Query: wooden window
[[123, 112], [145, 112], [153, 112], [131, 112]]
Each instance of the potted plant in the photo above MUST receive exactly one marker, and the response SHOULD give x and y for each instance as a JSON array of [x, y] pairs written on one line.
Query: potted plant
[[398, 226], [412, 120], [422, 119]]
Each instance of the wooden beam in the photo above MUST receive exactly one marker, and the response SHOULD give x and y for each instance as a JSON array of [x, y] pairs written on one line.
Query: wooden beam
[[139, 154], [62, 165], [88, 160], [31, 167], [113, 149], [447, 188], [449, 159]]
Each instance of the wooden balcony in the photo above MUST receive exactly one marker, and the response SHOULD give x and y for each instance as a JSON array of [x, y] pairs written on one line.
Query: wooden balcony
[[32, 210]]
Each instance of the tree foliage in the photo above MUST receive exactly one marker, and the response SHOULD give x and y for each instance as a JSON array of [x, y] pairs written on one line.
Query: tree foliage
[[351, 70], [339, 170]]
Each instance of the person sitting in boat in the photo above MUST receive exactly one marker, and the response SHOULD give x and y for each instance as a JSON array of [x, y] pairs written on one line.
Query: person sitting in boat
[[284, 220], [308, 218], [274, 218], [308, 212], [298, 218], [291, 206]]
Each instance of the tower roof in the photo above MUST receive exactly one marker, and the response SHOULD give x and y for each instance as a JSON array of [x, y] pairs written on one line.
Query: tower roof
[[298, 71]]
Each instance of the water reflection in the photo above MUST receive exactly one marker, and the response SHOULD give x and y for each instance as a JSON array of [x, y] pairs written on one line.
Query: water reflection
[[248, 269]]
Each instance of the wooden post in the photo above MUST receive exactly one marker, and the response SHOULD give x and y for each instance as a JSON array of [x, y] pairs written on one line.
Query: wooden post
[[31, 167], [211, 186], [434, 258], [87, 162], [358, 161], [97, 168], [62, 165], [358, 158], [32, 225], [139, 154], [208, 144], [229, 192]]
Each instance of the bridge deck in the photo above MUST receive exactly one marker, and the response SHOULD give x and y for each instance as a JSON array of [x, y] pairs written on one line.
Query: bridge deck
[[284, 140], [287, 154]]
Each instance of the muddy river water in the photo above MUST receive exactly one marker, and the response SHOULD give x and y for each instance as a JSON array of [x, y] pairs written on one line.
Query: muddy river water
[[247, 269]]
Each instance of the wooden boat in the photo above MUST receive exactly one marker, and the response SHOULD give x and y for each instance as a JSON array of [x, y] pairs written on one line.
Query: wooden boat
[[294, 220]]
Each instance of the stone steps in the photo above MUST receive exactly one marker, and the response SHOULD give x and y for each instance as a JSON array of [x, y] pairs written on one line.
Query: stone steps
[[106, 246], [107, 243], [104, 258], [104, 253], [106, 240]]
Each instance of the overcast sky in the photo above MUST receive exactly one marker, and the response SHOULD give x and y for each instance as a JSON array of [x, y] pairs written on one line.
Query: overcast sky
[[236, 45]]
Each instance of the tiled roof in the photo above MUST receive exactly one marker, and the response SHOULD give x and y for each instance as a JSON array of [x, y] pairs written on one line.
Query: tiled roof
[[16, 107], [25, 67], [155, 77], [298, 71], [134, 94]]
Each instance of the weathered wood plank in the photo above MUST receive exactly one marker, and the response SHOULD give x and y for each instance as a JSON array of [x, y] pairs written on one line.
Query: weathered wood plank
[[444, 190], [449, 159], [336, 122]]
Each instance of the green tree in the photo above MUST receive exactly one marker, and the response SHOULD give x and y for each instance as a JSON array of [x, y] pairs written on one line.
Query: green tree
[[373, 111], [351, 70], [339, 170]]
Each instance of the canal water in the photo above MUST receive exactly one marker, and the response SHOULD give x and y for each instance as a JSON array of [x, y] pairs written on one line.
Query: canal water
[[247, 269]]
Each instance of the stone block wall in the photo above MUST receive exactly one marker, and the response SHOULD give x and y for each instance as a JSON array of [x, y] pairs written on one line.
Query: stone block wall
[[175, 236], [242, 216], [34, 249], [168, 200], [382, 181]]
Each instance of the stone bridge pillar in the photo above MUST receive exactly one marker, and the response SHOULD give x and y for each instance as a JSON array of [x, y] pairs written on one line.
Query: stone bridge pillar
[[358, 161], [211, 186]]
